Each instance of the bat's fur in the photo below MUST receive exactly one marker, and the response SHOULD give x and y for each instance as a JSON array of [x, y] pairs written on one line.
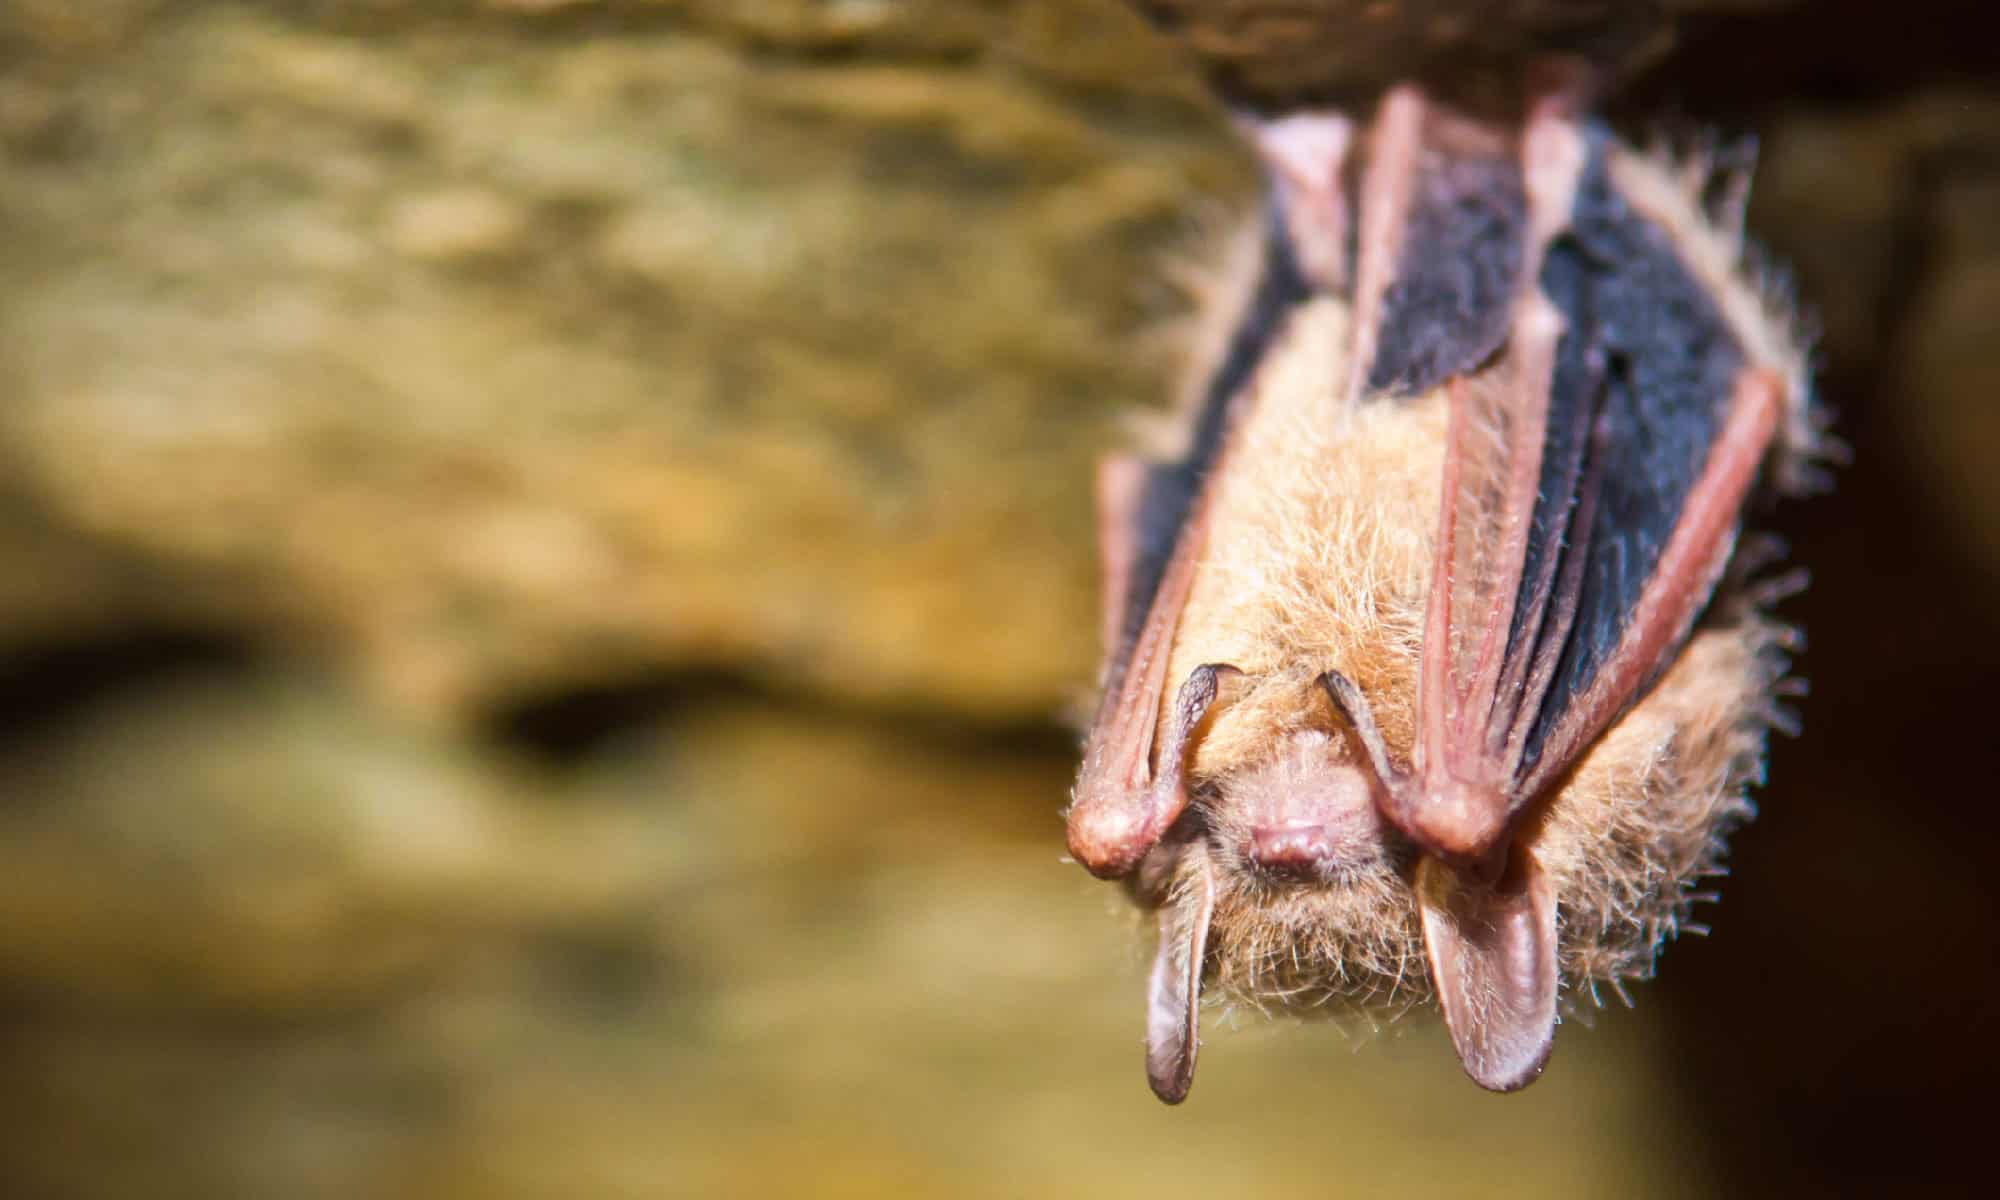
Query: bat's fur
[[1319, 556]]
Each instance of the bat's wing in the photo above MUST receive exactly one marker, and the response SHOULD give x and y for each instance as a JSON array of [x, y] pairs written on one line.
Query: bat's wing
[[1152, 524], [1593, 479]]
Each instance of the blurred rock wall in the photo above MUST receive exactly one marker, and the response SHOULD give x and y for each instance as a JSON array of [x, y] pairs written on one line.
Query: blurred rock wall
[[481, 349], [545, 553]]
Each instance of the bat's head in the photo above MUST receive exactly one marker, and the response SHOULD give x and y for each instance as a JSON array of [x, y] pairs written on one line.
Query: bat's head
[[1285, 884], [1281, 885], [1311, 884]]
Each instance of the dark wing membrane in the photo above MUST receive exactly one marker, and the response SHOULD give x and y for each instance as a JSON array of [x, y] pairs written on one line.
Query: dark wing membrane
[[1446, 311], [1444, 216], [1650, 357]]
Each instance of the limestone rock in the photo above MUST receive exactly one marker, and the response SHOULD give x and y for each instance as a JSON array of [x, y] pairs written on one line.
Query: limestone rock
[[496, 361], [267, 845]]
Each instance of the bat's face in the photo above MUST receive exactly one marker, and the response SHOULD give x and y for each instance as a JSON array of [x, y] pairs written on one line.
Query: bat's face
[[1286, 887], [1309, 884]]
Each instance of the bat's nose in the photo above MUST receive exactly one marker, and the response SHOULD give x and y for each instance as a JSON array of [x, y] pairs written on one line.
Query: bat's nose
[[1300, 851]]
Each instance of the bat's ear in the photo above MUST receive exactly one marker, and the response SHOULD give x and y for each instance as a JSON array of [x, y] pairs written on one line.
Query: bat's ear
[[1493, 960], [1173, 995]]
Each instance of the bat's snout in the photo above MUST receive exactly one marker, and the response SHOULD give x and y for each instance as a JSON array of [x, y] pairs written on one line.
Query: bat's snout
[[1297, 851]]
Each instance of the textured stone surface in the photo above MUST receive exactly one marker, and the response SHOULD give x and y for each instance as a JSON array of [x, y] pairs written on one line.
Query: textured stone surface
[[492, 356], [261, 845], [1276, 53]]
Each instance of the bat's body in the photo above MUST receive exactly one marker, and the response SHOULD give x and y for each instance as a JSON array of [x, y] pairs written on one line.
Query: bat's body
[[1418, 684]]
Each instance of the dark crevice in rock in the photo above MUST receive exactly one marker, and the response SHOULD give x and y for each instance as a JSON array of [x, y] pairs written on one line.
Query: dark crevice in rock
[[43, 686], [1733, 67], [568, 725]]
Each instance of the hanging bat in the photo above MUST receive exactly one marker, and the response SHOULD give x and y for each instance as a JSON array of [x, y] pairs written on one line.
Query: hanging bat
[[1428, 676]]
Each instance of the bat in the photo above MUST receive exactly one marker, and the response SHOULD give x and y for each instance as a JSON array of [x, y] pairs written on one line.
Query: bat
[[1436, 672]]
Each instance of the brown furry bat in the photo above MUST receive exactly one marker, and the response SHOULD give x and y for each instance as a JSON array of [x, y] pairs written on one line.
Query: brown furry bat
[[1419, 684]]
